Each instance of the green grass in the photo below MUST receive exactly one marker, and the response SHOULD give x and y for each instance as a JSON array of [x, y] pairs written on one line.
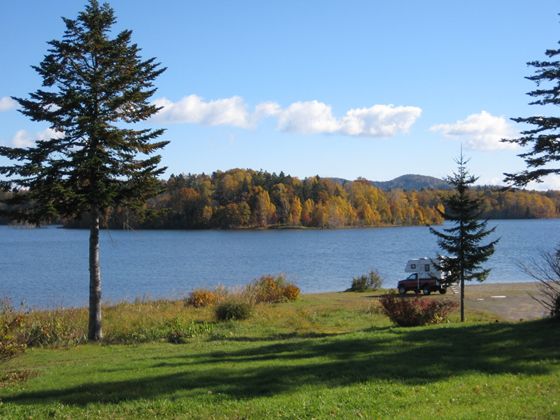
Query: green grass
[[328, 355]]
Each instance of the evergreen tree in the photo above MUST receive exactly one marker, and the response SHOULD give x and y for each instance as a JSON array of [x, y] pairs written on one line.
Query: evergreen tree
[[462, 240], [93, 87], [544, 136]]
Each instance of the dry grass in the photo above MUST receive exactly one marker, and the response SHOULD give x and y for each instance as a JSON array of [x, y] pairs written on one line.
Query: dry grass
[[16, 376], [323, 313]]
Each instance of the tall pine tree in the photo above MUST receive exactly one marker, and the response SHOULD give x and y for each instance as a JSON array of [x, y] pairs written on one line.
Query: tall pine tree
[[544, 136], [95, 87], [461, 241]]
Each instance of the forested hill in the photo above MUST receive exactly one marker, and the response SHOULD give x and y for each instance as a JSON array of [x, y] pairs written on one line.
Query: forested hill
[[413, 183], [405, 182], [242, 198]]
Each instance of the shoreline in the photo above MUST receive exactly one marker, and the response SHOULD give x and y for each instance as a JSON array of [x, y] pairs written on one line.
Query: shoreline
[[511, 301], [272, 227]]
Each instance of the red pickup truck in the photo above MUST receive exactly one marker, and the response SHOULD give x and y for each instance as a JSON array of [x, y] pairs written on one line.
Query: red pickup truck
[[418, 284]]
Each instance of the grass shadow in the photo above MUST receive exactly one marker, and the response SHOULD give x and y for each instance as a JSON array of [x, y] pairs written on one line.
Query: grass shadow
[[273, 337], [404, 355]]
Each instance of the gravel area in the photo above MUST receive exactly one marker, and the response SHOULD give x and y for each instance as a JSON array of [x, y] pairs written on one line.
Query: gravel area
[[509, 301]]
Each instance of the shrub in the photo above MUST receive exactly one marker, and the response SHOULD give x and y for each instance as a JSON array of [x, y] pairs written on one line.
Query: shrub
[[19, 329], [11, 331], [291, 292], [416, 311], [271, 289], [547, 272], [54, 328], [10, 337], [268, 289], [202, 297], [233, 310], [365, 282]]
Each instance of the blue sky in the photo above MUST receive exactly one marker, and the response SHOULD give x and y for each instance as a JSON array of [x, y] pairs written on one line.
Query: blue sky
[[335, 88]]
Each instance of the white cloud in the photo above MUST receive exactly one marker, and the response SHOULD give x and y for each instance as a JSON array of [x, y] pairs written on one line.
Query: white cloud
[[194, 109], [266, 109], [22, 138], [7, 103], [549, 182], [307, 117], [379, 120], [376, 121], [482, 131]]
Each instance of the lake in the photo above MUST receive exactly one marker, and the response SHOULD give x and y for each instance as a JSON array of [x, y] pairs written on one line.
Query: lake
[[47, 267]]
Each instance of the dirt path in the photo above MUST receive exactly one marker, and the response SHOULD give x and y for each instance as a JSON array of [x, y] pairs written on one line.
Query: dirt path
[[509, 301]]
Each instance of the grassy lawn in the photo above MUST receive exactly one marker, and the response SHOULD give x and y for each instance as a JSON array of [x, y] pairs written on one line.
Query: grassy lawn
[[327, 355]]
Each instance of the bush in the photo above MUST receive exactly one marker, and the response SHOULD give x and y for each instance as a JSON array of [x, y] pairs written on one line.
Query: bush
[[202, 297], [233, 310], [291, 292], [20, 330], [365, 282], [271, 289], [10, 337], [11, 331], [268, 289], [54, 328], [547, 272], [411, 312]]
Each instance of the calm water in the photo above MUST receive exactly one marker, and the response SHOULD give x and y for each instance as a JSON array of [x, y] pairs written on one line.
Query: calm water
[[48, 267]]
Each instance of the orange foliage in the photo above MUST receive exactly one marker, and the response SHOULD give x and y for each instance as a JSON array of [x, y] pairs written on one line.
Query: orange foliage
[[202, 297], [243, 198], [291, 292]]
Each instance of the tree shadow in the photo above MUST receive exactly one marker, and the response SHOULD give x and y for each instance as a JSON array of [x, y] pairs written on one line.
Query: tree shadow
[[273, 337], [403, 355]]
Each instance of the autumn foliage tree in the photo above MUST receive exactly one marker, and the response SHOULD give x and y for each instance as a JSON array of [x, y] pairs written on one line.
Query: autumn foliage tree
[[95, 87], [236, 199]]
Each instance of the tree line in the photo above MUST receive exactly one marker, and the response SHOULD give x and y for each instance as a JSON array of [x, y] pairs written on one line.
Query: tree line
[[244, 198]]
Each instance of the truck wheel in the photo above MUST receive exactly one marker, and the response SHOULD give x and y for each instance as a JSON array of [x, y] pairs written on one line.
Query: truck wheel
[[402, 291], [426, 291], [443, 291]]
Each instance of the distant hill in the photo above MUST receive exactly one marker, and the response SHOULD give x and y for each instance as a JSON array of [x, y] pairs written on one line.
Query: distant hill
[[412, 182], [406, 182]]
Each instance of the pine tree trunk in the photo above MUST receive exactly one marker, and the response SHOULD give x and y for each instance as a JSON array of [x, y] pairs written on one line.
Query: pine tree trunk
[[95, 332], [462, 296]]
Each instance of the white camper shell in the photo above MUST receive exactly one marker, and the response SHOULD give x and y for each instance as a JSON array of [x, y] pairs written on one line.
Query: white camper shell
[[424, 267]]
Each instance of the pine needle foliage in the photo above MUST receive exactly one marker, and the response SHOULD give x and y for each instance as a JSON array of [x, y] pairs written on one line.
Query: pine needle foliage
[[95, 89], [462, 240], [544, 136]]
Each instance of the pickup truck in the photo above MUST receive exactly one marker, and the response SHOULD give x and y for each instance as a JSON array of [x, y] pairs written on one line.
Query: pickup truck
[[418, 284]]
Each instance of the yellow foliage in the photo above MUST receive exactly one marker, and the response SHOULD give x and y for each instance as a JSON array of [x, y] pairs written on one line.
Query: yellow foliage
[[202, 297]]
